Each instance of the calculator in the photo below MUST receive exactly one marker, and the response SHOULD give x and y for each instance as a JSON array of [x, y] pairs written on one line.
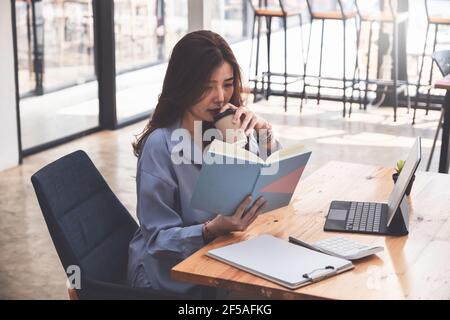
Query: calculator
[[340, 247]]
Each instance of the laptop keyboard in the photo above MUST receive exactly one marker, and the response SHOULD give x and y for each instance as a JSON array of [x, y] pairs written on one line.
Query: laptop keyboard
[[364, 216]]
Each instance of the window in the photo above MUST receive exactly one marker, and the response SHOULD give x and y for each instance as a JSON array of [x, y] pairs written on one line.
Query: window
[[144, 33], [57, 83]]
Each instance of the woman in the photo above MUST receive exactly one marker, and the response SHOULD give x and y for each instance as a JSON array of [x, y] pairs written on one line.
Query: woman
[[202, 79]]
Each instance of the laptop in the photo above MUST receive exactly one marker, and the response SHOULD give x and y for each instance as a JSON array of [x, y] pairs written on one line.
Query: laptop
[[389, 218]]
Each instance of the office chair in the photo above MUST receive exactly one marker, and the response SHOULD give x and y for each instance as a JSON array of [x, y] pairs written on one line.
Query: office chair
[[268, 10], [371, 12], [90, 228], [442, 60], [336, 10]]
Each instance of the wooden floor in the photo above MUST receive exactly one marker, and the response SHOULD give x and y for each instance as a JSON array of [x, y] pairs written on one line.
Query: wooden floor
[[29, 266]]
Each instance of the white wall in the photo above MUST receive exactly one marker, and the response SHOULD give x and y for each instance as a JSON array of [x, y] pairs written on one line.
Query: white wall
[[9, 147]]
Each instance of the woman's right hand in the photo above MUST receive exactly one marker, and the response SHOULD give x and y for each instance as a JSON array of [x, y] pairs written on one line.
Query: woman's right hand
[[240, 220]]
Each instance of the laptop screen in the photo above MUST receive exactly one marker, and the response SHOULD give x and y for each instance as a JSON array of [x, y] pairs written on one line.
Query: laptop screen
[[411, 164]]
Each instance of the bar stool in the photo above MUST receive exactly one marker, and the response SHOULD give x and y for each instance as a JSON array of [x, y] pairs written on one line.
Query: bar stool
[[370, 11], [438, 15], [342, 10], [270, 9]]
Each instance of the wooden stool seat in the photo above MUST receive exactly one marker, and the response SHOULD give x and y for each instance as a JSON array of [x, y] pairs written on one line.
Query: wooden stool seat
[[439, 20], [277, 12], [384, 17], [334, 15]]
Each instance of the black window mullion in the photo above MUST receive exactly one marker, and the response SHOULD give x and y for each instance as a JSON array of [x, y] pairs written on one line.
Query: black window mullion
[[105, 65], [16, 78]]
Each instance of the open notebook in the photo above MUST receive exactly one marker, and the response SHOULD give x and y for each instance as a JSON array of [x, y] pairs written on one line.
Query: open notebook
[[230, 173], [287, 264]]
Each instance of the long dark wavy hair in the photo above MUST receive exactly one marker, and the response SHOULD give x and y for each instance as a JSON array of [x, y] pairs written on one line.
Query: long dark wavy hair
[[191, 64]]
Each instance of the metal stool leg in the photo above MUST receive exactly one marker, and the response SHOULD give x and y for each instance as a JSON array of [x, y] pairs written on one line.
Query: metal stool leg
[[268, 36], [320, 60], [435, 139], [359, 69], [408, 96], [251, 53], [305, 66], [344, 96], [285, 62], [416, 102], [258, 40], [395, 49], [431, 70], [302, 45], [357, 31], [368, 66]]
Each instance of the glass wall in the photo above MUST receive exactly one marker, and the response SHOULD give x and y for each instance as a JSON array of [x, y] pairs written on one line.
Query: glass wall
[[57, 84], [230, 18], [145, 31]]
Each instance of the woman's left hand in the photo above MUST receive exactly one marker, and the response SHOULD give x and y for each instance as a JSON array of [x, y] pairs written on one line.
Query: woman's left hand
[[250, 121]]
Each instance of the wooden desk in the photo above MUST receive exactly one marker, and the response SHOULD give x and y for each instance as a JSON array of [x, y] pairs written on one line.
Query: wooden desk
[[411, 267], [444, 160]]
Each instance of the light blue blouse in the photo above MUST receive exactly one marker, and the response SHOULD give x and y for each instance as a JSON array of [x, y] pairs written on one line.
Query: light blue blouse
[[169, 230]]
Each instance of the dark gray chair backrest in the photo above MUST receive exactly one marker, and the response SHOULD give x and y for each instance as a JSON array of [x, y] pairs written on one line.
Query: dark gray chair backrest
[[89, 226]]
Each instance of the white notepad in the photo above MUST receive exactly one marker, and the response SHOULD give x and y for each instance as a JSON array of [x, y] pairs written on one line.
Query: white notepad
[[287, 264]]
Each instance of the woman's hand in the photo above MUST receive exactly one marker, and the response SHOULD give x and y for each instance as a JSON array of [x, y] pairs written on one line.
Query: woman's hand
[[249, 119], [239, 221]]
